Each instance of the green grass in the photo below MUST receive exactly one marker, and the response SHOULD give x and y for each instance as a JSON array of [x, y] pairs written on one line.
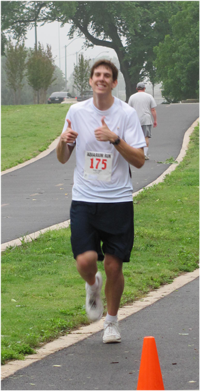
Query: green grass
[[43, 295], [28, 130]]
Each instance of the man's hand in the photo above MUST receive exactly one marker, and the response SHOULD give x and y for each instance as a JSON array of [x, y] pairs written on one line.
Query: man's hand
[[69, 136], [155, 124], [103, 133]]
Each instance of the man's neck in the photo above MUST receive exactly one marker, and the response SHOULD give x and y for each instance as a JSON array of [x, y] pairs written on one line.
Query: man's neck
[[103, 103]]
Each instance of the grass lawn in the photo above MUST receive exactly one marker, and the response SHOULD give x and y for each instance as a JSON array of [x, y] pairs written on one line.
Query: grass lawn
[[28, 130], [43, 296]]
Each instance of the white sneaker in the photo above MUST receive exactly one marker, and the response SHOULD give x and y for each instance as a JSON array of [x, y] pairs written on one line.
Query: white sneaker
[[94, 306], [111, 332]]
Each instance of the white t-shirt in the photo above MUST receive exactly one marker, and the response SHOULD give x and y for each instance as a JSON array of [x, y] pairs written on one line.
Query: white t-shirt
[[101, 173], [143, 103]]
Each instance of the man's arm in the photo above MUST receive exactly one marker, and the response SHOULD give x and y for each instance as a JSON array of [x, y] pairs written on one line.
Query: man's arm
[[153, 112], [63, 149], [134, 156]]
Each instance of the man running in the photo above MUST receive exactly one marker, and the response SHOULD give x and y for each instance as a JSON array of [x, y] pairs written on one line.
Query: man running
[[108, 139]]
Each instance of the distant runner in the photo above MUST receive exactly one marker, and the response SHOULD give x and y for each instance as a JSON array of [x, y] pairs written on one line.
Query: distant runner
[[145, 105]]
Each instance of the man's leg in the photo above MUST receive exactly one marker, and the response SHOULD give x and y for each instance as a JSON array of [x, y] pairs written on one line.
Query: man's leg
[[114, 283], [87, 268], [146, 148], [86, 264], [113, 289]]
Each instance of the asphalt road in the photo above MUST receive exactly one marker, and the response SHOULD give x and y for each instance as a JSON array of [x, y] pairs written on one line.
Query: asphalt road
[[39, 195]]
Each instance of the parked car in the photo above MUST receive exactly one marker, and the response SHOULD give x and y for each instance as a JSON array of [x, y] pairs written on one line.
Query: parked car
[[58, 97], [85, 95]]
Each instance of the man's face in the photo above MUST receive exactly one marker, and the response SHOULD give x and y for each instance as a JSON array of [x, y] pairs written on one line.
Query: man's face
[[102, 80]]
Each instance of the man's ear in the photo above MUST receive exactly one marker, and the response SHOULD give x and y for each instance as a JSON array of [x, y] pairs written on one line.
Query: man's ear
[[90, 82], [114, 84]]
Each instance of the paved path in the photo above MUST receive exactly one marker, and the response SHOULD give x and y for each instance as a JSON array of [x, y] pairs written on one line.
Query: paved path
[[36, 198], [39, 195], [92, 365]]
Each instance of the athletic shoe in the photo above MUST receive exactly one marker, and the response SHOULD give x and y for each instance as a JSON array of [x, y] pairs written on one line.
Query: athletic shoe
[[146, 157], [111, 332], [94, 306]]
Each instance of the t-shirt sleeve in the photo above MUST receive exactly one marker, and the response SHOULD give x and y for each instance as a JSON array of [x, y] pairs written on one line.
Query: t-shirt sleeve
[[153, 103], [133, 134], [130, 102]]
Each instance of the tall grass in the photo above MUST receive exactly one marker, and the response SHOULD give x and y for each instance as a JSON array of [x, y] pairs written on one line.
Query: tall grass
[[28, 130]]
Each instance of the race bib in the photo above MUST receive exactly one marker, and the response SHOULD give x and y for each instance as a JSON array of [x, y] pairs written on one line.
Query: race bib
[[98, 166]]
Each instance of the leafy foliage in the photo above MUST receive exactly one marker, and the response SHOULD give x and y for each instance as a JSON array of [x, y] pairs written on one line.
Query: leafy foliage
[[177, 59], [81, 74], [27, 93], [15, 67], [3, 43], [132, 29], [40, 71]]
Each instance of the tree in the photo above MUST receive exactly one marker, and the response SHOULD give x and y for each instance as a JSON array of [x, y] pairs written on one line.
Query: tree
[[6, 92], [15, 67], [177, 58], [131, 28], [81, 74], [58, 83], [3, 43], [27, 92], [40, 71]]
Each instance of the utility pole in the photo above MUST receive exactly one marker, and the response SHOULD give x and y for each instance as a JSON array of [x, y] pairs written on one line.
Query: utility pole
[[66, 61], [38, 98]]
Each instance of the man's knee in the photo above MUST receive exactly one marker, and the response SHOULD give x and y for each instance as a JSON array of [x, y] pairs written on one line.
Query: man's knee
[[112, 266], [86, 260]]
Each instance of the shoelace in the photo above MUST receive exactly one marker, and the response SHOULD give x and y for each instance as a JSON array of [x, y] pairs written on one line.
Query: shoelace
[[93, 303], [109, 324]]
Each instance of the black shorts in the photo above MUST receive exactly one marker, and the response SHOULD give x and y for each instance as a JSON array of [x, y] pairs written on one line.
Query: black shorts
[[102, 227]]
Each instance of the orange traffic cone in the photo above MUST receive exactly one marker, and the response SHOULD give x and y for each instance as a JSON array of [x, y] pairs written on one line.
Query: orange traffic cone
[[150, 376]]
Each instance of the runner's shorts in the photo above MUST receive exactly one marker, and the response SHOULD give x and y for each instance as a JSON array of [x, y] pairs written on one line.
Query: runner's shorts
[[102, 227], [147, 130]]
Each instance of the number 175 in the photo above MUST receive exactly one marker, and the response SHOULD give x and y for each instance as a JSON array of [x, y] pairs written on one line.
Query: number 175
[[97, 163]]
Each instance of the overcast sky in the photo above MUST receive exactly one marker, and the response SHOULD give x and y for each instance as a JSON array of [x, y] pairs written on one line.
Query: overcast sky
[[57, 38]]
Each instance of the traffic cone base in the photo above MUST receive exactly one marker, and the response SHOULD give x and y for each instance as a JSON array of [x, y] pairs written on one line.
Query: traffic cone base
[[150, 376]]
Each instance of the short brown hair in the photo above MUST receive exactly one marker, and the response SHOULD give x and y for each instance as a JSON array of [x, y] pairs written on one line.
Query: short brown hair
[[108, 64]]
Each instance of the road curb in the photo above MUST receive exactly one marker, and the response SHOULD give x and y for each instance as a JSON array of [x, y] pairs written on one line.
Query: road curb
[[51, 147]]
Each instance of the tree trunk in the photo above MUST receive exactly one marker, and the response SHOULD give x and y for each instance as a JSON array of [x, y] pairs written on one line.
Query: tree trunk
[[129, 86], [116, 44]]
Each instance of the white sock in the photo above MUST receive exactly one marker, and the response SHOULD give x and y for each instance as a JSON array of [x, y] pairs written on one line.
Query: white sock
[[145, 150], [110, 318]]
